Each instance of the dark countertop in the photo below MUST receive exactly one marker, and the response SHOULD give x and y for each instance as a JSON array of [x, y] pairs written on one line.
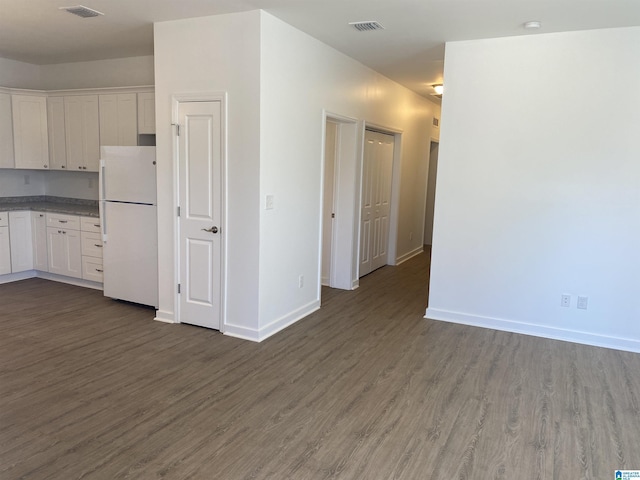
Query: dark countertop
[[43, 203]]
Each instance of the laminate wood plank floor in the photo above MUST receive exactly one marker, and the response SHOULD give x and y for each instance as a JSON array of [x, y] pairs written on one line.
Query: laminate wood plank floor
[[365, 388]]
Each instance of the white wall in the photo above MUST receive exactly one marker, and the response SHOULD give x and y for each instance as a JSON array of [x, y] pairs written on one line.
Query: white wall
[[14, 184], [83, 185], [538, 186], [116, 72], [14, 74], [300, 77], [214, 54], [278, 80]]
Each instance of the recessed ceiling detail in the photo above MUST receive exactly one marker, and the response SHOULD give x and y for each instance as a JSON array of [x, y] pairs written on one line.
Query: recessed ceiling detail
[[82, 11], [366, 26]]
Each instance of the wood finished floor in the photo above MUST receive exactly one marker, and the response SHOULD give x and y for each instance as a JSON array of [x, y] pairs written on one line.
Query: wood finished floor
[[363, 389]]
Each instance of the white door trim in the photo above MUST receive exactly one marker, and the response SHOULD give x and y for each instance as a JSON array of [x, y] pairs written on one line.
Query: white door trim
[[344, 249], [176, 99]]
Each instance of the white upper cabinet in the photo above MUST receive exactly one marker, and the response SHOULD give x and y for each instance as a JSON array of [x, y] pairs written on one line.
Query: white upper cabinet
[[118, 119], [146, 113], [30, 136], [82, 132], [57, 135], [6, 132]]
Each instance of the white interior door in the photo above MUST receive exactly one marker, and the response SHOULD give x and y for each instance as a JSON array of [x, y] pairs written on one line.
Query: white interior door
[[376, 200], [200, 201], [328, 209]]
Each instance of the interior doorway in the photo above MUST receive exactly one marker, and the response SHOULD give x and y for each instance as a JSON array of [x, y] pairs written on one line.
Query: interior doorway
[[199, 156], [377, 175], [431, 193], [338, 257]]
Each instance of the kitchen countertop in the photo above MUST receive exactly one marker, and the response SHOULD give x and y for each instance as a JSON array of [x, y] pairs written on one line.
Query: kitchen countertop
[[43, 203]]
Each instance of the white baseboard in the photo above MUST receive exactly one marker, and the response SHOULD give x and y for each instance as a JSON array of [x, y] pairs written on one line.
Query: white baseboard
[[14, 277], [409, 255], [165, 317], [586, 338], [272, 328], [78, 282]]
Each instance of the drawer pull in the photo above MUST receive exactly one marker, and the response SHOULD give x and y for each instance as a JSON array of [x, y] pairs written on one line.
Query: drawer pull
[[96, 225], [63, 221], [96, 245], [98, 270]]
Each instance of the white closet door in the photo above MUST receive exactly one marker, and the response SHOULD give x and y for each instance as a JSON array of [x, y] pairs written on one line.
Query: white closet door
[[376, 201]]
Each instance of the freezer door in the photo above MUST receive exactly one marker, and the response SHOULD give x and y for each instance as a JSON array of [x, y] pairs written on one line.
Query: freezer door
[[128, 174], [130, 252]]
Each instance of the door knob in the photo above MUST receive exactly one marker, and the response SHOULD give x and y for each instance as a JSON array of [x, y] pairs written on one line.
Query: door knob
[[213, 229]]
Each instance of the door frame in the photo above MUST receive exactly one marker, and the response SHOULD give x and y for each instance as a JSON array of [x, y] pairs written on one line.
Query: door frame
[[344, 259], [394, 209], [176, 99]]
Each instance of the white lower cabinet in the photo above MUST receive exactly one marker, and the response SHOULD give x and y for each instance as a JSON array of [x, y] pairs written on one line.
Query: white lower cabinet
[[39, 238], [61, 244], [64, 245], [5, 245], [21, 241], [91, 249]]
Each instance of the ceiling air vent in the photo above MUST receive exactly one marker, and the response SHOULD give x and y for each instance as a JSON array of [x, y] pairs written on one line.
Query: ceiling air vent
[[82, 11], [366, 26]]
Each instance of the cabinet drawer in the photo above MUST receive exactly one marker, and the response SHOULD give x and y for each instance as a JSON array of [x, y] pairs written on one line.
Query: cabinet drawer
[[58, 220], [92, 269], [4, 219], [91, 244], [90, 224]]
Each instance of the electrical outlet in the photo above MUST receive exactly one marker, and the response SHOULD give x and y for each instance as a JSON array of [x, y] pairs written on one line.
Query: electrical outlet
[[583, 302], [565, 300], [301, 281], [269, 202]]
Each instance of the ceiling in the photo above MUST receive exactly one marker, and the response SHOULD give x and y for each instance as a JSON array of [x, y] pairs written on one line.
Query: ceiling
[[410, 50]]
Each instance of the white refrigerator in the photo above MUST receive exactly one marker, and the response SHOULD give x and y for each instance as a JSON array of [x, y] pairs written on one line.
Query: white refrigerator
[[128, 211]]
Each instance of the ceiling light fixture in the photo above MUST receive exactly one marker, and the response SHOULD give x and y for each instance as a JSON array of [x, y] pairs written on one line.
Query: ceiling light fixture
[[439, 88], [82, 11], [532, 25]]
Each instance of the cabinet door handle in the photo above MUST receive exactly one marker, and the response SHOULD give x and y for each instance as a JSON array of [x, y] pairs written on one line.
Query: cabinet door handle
[[98, 270], [96, 245]]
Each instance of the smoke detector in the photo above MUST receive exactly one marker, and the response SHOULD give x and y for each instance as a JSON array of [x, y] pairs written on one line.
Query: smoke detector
[[366, 26], [82, 11]]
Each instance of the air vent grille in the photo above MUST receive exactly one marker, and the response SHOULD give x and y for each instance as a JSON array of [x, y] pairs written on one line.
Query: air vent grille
[[82, 11], [366, 26]]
